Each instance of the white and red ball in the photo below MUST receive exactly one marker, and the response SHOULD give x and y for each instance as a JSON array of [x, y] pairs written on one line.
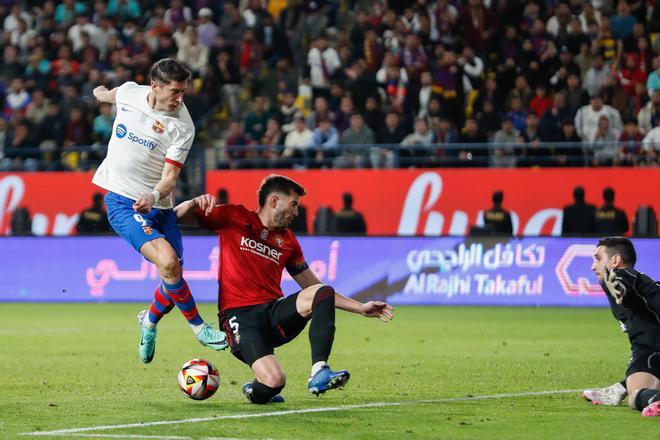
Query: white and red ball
[[199, 379]]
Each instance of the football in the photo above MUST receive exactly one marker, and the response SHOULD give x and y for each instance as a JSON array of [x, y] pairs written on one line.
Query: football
[[199, 379]]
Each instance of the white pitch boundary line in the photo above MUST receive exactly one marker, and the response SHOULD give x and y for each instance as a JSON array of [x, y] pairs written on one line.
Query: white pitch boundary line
[[77, 431], [140, 436]]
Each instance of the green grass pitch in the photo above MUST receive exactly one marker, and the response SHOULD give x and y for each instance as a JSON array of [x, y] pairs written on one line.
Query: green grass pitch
[[75, 366]]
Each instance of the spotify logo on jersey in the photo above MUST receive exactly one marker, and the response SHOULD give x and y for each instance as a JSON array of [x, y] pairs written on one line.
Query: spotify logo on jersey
[[121, 131]]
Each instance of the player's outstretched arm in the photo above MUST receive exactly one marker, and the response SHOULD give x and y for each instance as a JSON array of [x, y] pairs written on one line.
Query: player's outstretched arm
[[163, 189], [185, 212], [371, 309], [102, 94]]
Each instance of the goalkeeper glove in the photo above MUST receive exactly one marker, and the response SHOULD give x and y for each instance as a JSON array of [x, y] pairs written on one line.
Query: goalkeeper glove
[[615, 286]]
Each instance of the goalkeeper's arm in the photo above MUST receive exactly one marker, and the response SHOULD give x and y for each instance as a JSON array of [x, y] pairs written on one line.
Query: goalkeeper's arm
[[623, 283]]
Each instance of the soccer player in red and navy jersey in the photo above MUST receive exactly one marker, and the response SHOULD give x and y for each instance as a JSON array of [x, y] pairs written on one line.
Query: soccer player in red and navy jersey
[[255, 247]]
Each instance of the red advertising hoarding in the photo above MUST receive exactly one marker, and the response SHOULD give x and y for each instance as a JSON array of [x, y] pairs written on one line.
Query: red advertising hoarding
[[448, 201], [54, 199], [394, 202]]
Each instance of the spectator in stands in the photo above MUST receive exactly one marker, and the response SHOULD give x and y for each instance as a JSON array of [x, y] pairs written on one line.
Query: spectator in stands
[[348, 221], [576, 96], [66, 11], [649, 115], [93, 220], [497, 220], [502, 153], [653, 81], [393, 81], [373, 114], [517, 113], [467, 154], [325, 140], [273, 134], [610, 220], [24, 156], [622, 24], [604, 143], [37, 109], [18, 98], [651, 144], [550, 125], [489, 119], [571, 152], [102, 127], [413, 58], [177, 14], [415, 146], [321, 111], [579, 219], [346, 110], [206, 29], [255, 121], [359, 138], [193, 53], [477, 24], [237, 144], [598, 76], [630, 142], [232, 25], [323, 62], [533, 152], [299, 140], [587, 118], [541, 101], [448, 81]]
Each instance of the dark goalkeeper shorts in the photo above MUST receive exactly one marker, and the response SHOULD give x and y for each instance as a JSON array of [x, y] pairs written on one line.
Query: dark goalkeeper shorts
[[254, 331], [644, 362]]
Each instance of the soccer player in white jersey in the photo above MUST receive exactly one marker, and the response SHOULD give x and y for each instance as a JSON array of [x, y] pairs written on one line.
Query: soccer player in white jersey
[[151, 137]]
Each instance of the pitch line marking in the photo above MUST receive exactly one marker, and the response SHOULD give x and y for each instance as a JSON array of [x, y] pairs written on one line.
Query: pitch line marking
[[64, 432], [148, 437]]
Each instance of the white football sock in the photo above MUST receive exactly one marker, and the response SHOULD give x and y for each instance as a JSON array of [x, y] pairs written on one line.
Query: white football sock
[[197, 328], [317, 367]]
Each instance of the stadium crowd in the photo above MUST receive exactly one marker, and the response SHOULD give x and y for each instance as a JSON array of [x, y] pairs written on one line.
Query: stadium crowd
[[427, 83]]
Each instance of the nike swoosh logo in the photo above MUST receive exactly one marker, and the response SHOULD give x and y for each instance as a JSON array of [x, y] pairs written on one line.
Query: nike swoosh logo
[[124, 109]]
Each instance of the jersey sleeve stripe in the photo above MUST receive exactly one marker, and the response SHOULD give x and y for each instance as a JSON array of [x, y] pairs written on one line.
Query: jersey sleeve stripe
[[174, 162]]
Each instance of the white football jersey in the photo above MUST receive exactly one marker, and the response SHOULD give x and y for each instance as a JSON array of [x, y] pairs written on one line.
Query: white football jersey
[[142, 140]]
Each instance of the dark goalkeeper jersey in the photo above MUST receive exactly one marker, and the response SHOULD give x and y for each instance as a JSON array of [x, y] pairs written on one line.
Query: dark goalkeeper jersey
[[639, 314]]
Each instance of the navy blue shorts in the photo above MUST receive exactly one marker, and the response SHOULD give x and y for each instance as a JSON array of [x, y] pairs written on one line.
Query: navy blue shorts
[[139, 229]]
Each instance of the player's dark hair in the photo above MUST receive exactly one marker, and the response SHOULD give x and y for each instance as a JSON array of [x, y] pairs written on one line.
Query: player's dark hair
[[168, 70], [278, 184], [622, 246]]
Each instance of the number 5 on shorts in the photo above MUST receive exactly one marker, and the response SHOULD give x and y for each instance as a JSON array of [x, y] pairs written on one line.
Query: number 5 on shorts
[[234, 325]]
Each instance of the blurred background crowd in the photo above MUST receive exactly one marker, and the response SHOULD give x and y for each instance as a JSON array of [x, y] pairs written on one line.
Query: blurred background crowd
[[334, 83]]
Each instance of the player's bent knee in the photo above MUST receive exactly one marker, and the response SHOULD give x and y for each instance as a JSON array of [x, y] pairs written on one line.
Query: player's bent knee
[[273, 379], [170, 268], [324, 293]]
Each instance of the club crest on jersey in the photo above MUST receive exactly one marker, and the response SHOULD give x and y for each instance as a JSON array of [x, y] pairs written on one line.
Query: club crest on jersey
[[158, 127], [264, 234], [279, 240], [147, 229]]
